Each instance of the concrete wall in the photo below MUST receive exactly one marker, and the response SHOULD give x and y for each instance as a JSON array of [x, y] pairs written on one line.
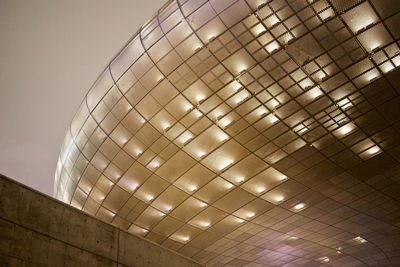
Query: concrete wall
[[37, 230]]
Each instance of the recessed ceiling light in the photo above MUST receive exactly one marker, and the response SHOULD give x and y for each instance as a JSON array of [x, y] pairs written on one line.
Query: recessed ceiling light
[[299, 206]]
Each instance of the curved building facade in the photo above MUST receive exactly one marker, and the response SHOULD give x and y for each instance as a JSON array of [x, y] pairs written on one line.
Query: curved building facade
[[248, 133]]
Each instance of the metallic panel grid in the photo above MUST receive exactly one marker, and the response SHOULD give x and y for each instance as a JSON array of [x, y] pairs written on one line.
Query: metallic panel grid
[[248, 133]]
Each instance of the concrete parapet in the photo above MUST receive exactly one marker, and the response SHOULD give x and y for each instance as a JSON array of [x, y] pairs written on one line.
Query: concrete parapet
[[37, 230]]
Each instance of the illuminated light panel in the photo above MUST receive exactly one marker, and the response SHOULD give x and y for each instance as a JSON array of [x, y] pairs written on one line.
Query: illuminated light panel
[[149, 197], [200, 153], [218, 114], [364, 24], [133, 186], [260, 189], [348, 105], [386, 67], [272, 21], [224, 163], [293, 237], [287, 38], [200, 98], [324, 259], [374, 46], [154, 164], [240, 220], [180, 238], [279, 198], [272, 118], [185, 137], [315, 92], [359, 239], [274, 103], [272, 47], [321, 75], [165, 126], [346, 129], [205, 224], [239, 179], [192, 188], [241, 68], [258, 29], [138, 152], [228, 185], [373, 150], [261, 111], [187, 107], [303, 130], [282, 177], [298, 207], [197, 113], [222, 136], [306, 83], [326, 14], [396, 61], [225, 122], [236, 85], [203, 204], [372, 76], [211, 37], [197, 47], [250, 214]]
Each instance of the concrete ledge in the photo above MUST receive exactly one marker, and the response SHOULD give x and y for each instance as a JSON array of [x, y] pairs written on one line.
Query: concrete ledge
[[37, 230]]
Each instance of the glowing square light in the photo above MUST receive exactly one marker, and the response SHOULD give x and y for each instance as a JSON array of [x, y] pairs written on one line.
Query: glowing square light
[[279, 198], [346, 129], [236, 85], [315, 92], [228, 185], [303, 130], [324, 259], [165, 126], [239, 179], [203, 204], [272, 21], [258, 29], [200, 98], [272, 118], [205, 224], [250, 214], [155, 164], [260, 189], [348, 105], [272, 47], [299, 206], [282, 177], [200, 153], [224, 163], [359, 239], [373, 150], [222, 136], [225, 122], [274, 103], [187, 106], [192, 188]]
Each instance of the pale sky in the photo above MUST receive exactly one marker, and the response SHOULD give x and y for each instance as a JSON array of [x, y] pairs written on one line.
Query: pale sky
[[51, 51]]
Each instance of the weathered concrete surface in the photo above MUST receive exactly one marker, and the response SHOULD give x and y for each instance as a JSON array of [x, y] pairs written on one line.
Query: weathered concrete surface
[[36, 230]]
